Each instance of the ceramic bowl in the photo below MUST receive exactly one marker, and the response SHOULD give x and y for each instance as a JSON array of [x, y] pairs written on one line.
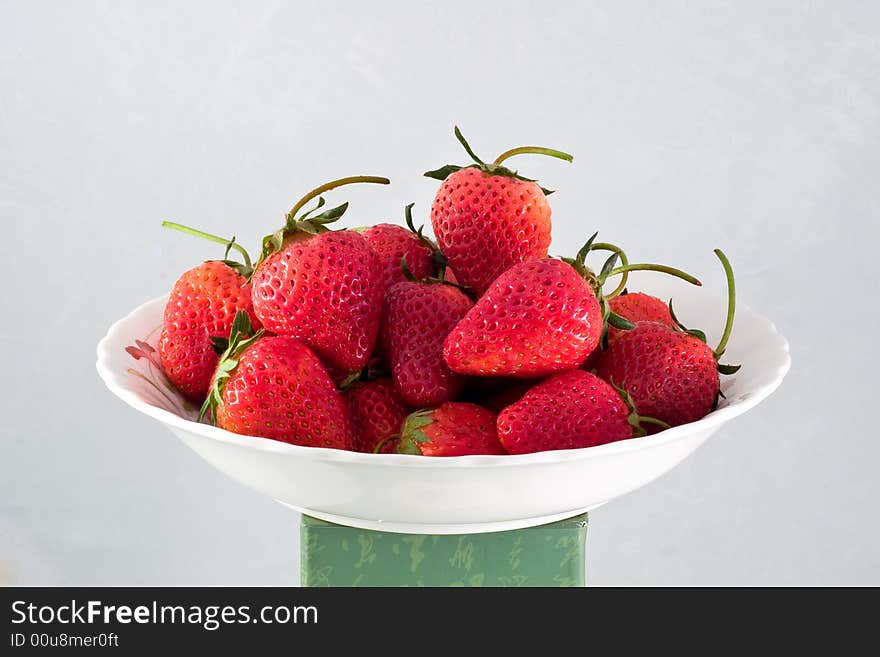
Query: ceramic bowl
[[456, 495]]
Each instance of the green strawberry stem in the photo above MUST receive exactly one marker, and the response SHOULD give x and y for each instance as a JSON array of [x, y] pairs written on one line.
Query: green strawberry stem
[[652, 267], [731, 303], [333, 184], [536, 150], [229, 243], [378, 448], [606, 246]]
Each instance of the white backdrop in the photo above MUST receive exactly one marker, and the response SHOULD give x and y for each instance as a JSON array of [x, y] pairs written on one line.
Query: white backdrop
[[751, 126]]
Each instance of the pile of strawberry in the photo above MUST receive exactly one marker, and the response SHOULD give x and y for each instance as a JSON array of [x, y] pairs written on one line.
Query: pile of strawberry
[[381, 340]]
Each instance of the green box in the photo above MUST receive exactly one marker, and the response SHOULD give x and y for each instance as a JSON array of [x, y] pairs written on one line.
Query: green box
[[547, 555]]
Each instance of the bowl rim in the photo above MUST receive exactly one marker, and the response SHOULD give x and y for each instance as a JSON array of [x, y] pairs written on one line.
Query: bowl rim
[[709, 423]]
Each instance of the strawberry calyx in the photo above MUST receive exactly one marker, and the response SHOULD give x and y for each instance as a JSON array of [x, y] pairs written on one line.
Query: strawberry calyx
[[412, 434], [439, 279], [438, 258], [495, 168], [609, 269], [308, 222], [597, 281], [241, 336], [245, 269], [635, 420]]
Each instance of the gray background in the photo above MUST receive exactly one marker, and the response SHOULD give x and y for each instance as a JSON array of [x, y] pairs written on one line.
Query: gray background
[[752, 126]]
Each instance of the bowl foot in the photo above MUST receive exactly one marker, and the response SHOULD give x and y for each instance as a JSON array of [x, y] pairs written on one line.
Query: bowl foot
[[427, 528]]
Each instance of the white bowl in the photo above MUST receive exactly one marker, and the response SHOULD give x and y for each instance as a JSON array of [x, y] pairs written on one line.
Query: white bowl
[[454, 495]]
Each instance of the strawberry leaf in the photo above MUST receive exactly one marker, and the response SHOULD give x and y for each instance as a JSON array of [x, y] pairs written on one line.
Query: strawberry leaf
[[405, 446], [581, 257], [607, 267], [328, 216], [444, 172], [219, 344], [619, 322], [439, 258], [467, 146], [241, 323], [412, 434], [272, 243], [317, 207]]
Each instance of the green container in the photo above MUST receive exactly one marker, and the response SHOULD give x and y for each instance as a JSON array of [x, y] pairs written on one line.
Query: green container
[[548, 555]]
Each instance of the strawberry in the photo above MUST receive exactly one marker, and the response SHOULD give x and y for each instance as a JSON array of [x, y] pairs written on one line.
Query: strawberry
[[638, 307], [671, 373], [453, 429], [275, 387], [377, 412], [199, 315], [567, 411], [394, 243], [488, 218], [537, 318], [540, 317], [319, 286], [417, 318]]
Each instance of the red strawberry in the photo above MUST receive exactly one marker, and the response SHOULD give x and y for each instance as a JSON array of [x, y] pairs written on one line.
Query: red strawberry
[[453, 429], [275, 387], [321, 287], [537, 318], [394, 243], [417, 318], [488, 218], [198, 317], [567, 411], [671, 374], [377, 412], [638, 307]]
